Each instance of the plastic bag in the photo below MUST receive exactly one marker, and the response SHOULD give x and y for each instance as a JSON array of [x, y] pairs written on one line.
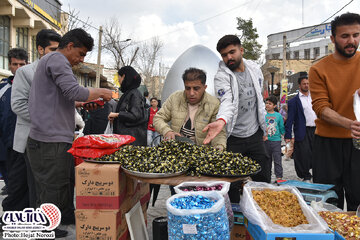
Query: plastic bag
[[323, 206], [211, 223], [224, 192], [109, 128], [103, 141], [356, 141], [357, 105], [91, 152], [256, 215]]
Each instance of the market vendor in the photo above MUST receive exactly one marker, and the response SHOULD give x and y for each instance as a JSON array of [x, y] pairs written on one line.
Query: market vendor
[[186, 113]]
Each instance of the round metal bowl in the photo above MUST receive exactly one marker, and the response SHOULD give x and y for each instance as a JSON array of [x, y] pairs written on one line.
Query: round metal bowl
[[152, 175], [229, 176], [104, 162]]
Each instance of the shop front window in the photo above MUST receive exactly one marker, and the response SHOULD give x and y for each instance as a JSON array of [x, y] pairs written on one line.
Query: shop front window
[[4, 41], [22, 35]]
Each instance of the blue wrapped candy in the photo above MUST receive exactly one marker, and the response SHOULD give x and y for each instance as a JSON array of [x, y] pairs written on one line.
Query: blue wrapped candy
[[197, 215]]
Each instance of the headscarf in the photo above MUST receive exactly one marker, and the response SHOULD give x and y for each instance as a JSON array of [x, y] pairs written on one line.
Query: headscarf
[[132, 79]]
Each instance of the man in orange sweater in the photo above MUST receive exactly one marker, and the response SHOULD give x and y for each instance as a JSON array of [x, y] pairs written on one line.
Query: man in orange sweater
[[333, 82]]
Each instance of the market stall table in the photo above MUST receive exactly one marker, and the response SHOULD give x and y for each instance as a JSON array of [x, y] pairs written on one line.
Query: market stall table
[[176, 180]]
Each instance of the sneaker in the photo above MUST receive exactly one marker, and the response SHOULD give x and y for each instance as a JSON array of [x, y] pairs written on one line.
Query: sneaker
[[279, 180]]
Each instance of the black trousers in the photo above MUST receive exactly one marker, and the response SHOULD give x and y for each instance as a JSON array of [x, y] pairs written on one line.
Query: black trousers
[[53, 169], [18, 192], [253, 147], [303, 154], [30, 182], [336, 161], [3, 171]]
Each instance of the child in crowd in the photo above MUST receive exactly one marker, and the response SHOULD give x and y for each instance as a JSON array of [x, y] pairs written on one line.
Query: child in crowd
[[274, 129], [152, 135]]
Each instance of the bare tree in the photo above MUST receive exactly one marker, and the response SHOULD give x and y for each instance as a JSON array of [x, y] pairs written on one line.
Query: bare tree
[[147, 62], [122, 49], [73, 21]]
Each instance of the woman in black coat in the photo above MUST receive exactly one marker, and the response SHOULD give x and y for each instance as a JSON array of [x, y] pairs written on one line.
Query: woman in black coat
[[130, 117]]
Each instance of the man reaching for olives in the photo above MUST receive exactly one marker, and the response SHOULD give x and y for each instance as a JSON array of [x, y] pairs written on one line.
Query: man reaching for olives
[[189, 111]]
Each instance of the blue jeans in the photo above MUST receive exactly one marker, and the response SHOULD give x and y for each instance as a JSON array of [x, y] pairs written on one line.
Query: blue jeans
[[152, 138]]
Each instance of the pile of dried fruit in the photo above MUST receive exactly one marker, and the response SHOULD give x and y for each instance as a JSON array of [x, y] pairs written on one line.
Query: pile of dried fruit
[[172, 157], [347, 226], [282, 207]]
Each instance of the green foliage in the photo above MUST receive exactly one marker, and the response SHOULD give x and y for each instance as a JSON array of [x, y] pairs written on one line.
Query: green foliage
[[248, 37]]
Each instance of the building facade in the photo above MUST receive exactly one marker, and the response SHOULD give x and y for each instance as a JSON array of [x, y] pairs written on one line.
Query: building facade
[[303, 47], [306, 43], [20, 21]]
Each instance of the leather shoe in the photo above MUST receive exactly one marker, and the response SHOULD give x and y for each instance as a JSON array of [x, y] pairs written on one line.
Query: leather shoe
[[60, 233]]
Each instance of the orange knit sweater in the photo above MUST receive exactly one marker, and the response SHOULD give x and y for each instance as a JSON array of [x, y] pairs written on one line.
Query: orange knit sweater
[[332, 84]]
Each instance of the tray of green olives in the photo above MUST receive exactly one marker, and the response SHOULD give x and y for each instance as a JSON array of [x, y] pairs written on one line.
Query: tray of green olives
[[98, 160], [152, 175]]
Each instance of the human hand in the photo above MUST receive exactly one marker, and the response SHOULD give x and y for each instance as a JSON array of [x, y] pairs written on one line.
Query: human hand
[[106, 94], [112, 116], [91, 106], [213, 130], [265, 138], [171, 135], [355, 129], [219, 147]]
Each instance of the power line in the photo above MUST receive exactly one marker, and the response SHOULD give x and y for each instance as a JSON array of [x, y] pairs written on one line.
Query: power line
[[72, 15], [321, 22], [196, 23]]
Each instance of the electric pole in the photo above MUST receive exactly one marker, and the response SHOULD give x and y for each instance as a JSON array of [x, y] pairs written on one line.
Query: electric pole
[[284, 56], [98, 65]]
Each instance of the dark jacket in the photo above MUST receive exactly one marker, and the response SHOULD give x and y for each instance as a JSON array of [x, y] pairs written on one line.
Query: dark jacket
[[296, 116], [7, 116], [97, 120], [132, 119]]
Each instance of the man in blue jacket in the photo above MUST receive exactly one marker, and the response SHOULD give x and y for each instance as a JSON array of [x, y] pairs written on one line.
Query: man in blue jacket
[[302, 118], [17, 198]]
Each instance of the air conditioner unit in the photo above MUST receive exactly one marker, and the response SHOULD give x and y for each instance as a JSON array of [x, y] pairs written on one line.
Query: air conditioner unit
[[289, 72]]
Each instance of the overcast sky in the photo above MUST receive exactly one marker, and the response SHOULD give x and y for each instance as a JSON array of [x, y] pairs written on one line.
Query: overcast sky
[[182, 24]]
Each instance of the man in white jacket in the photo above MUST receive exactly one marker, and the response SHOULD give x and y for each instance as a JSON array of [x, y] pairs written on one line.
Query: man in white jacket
[[238, 84]]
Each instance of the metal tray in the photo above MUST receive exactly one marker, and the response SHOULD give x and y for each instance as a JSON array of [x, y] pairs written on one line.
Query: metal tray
[[104, 162], [229, 176], [152, 175]]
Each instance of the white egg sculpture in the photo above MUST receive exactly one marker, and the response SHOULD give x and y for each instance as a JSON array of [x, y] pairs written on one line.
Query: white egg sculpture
[[197, 56]]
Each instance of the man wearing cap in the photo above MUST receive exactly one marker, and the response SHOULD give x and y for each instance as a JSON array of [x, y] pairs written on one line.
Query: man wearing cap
[[301, 117]]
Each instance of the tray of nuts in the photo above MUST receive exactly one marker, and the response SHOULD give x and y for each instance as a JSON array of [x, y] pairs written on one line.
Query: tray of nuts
[[231, 174], [345, 224], [152, 175], [227, 164], [100, 160]]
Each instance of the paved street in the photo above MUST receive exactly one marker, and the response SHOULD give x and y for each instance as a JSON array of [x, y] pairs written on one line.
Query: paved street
[[160, 208]]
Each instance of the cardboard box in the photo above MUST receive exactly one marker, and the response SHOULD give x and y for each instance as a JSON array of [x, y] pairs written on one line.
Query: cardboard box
[[105, 186], [239, 232], [99, 186], [105, 224], [100, 224], [257, 233]]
